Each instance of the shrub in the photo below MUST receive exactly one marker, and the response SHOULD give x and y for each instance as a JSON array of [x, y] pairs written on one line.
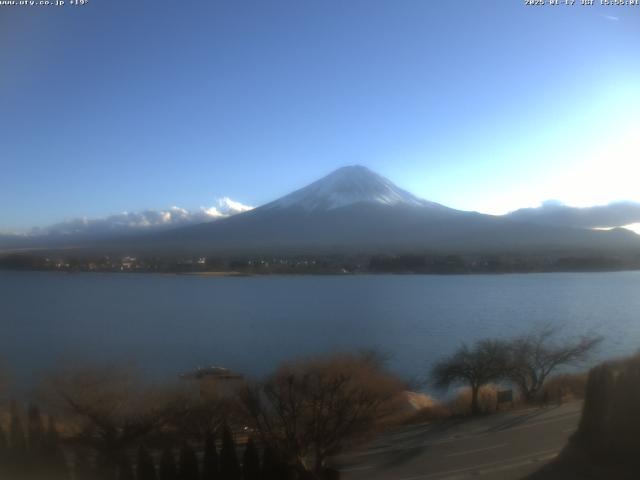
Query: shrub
[[570, 385], [310, 410], [487, 399]]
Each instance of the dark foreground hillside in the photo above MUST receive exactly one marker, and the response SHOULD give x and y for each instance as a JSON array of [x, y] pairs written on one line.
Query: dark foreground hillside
[[607, 443]]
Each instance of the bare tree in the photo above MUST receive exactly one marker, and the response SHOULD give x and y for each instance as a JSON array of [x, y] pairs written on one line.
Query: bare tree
[[112, 411], [201, 415], [476, 366], [310, 410], [533, 357]]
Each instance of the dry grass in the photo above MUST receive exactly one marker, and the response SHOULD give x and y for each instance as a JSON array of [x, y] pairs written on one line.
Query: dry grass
[[436, 412], [461, 404], [566, 386]]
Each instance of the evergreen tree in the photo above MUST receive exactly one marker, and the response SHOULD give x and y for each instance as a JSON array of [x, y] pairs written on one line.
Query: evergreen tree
[[168, 470], [17, 453], [146, 469], [36, 433], [210, 466], [4, 447], [83, 470], [35, 443], [53, 457], [331, 474], [17, 439], [3, 441], [52, 437], [106, 466], [251, 462], [229, 468], [188, 464], [273, 468], [52, 451], [125, 470]]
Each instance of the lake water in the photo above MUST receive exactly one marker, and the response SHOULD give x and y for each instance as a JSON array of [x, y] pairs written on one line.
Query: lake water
[[170, 323]]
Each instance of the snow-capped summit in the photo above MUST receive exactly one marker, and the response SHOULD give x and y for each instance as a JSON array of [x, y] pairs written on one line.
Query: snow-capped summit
[[347, 186]]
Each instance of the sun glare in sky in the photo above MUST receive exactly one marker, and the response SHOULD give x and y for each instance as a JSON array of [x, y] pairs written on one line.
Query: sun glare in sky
[[595, 166]]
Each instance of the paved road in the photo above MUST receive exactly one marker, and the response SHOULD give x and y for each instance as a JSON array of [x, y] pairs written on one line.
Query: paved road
[[501, 446]]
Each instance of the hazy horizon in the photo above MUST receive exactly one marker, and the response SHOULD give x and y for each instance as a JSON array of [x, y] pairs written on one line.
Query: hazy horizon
[[223, 207]]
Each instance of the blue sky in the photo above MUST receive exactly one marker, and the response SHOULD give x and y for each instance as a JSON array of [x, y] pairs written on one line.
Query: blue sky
[[480, 105]]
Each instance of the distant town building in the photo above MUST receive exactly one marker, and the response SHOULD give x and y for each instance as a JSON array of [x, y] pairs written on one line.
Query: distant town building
[[212, 372], [215, 381]]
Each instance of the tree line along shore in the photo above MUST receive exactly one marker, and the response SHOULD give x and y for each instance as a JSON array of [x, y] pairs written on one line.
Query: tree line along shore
[[320, 264]]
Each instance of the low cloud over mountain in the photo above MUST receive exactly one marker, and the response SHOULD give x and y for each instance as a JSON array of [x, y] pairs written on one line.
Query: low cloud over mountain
[[148, 220], [554, 213]]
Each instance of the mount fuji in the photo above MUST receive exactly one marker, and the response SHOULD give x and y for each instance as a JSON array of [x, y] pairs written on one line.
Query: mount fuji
[[348, 186], [354, 210], [350, 211]]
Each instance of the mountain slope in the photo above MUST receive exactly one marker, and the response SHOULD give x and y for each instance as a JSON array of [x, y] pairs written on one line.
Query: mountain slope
[[354, 210]]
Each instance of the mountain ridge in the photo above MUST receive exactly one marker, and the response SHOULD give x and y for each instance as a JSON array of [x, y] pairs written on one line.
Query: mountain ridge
[[354, 210]]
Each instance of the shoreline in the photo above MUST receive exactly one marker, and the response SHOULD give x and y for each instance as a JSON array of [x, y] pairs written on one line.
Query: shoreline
[[236, 274], [207, 274]]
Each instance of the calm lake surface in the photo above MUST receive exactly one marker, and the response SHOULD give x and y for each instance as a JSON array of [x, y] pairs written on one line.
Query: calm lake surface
[[168, 324]]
